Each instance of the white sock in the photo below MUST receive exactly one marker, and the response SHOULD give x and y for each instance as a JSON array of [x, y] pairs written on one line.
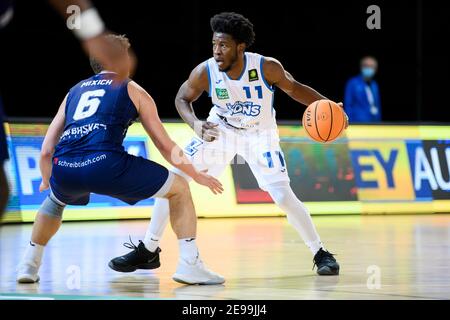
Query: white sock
[[33, 254], [151, 242], [297, 214], [158, 223], [188, 250], [314, 246]]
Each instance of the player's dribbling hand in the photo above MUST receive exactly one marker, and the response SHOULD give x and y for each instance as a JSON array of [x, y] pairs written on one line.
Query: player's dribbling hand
[[208, 131], [346, 117], [209, 181], [44, 186]]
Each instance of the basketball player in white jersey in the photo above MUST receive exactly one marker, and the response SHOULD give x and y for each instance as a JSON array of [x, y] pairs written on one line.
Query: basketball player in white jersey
[[241, 121]]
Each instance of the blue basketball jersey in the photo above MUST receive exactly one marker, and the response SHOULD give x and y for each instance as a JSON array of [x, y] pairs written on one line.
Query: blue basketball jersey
[[98, 113]]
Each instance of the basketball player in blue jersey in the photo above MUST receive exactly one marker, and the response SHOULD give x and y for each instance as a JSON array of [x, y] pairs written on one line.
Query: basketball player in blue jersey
[[242, 121], [82, 153], [90, 33]]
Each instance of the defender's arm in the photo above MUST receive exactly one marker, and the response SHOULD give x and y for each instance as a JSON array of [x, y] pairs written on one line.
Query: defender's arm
[[146, 108], [48, 146]]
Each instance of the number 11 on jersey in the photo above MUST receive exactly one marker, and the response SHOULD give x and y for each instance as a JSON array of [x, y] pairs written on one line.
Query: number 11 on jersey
[[249, 94]]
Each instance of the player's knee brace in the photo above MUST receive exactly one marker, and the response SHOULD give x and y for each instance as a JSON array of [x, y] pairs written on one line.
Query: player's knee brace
[[52, 207]]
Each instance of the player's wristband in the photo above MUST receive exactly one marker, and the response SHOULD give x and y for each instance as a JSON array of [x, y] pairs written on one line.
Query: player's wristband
[[91, 25]]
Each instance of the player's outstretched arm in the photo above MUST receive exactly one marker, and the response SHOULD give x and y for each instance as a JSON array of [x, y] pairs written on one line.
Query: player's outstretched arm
[[188, 93], [91, 35], [48, 146], [276, 75], [148, 113]]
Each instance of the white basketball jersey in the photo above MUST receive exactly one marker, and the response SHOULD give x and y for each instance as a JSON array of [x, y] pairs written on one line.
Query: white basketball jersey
[[245, 103]]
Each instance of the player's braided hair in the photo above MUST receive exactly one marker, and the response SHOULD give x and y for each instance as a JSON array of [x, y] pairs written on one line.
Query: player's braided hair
[[234, 24]]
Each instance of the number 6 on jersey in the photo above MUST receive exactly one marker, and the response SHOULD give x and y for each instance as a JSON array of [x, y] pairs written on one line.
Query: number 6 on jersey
[[88, 104]]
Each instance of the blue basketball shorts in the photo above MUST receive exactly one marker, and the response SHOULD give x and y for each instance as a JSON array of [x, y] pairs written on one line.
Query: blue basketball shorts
[[116, 174]]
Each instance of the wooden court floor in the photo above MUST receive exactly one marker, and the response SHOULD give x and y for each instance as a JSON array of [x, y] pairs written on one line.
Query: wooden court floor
[[381, 257]]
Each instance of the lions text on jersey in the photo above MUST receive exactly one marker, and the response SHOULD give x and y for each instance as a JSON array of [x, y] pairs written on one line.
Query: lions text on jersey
[[244, 103]]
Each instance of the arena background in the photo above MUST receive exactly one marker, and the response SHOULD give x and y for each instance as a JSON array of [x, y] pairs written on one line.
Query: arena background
[[319, 47], [375, 169], [319, 42]]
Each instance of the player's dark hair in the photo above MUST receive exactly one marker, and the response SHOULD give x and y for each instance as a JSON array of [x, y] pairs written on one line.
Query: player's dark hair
[[121, 40], [234, 24]]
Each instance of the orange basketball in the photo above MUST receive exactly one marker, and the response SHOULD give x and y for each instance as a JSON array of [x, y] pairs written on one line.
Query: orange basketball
[[324, 120]]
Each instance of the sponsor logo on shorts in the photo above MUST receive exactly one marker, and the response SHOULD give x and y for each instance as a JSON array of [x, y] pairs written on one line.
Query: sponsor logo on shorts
[[192, 147], [79, 164]]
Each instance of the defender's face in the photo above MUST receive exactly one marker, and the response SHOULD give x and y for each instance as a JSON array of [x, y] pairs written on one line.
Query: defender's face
[[225, 50]]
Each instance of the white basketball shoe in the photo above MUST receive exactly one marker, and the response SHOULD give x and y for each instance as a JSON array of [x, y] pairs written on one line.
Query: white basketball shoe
[[27, 272], [196, 273]]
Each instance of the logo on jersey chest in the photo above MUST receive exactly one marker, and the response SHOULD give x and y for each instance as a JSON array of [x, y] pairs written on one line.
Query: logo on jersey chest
[[247, 108], [253, 75], [222, 94]]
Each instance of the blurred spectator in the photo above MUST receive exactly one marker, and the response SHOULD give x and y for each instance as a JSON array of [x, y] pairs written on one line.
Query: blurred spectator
[[362, 97]]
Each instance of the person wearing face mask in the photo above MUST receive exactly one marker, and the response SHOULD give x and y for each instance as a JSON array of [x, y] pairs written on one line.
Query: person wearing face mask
[[362, 97]]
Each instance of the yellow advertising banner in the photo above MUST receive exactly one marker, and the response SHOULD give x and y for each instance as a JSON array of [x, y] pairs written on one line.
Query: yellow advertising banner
[[369, 170]]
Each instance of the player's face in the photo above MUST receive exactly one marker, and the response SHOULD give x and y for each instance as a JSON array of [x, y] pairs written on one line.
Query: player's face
[[225, 51]]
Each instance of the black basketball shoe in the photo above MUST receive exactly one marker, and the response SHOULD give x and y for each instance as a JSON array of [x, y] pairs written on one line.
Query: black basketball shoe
[[326, 263], [139, 258]]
